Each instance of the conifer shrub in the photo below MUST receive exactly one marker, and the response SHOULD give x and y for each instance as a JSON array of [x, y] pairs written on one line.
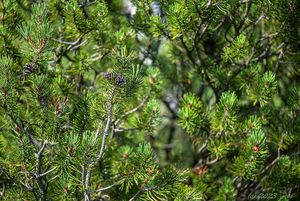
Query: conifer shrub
[[149, 100]]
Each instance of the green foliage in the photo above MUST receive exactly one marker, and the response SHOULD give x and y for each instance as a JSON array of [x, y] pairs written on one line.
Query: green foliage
[[190, 120], [149, 100], [226, 191], [251, 160], [181, 18], [150, 116], [36, 32], [224, 116], [238, 50], [262, 89]]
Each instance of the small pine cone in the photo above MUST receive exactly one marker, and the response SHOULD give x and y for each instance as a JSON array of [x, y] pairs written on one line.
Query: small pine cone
[[120, 80], [108, 75], [43, 101], [29, 68]]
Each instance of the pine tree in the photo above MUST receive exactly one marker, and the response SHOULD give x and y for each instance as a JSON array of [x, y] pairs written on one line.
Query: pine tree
[[149, 100]]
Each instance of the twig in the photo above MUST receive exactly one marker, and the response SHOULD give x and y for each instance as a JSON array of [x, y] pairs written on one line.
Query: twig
[[208, 3], [203, 146], [79, 45], [108, 125], [132, 110], [265, 170], [3, 190], [83, 176], [259, 19], [87, 183], [45, 173], [281, 54], [37, 173], [98, 131], [30, 188], [142, 189], [72, 46], [212, 161], [136, 195], [86, 176], [31, 139], [119, 130], [68, 43], [107, 187], [87, 3]]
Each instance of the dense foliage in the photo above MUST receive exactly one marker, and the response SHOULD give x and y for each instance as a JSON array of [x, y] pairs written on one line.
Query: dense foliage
[[149, 100]]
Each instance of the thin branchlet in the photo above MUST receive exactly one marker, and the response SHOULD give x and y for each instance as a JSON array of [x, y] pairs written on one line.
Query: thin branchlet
[[108, 124], [37, 173]]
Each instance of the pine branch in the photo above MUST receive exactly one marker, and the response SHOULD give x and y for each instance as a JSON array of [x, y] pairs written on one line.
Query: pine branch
[[37, 174]]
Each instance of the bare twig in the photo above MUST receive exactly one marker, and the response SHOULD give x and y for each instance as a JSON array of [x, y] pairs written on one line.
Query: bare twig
[[145, 188], [208, 3], [212, 161], [72, 46], [98, 131], [132, 110], [30, 188], [37, 173], [136, 195], [86, 182], [107, 187], [87, 3], [203, 146], [21, 125], [281, 54], [79, 45], [45, 173], [83, 180], [68, 43], [108, 125], [119, 130], [3, 190]]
